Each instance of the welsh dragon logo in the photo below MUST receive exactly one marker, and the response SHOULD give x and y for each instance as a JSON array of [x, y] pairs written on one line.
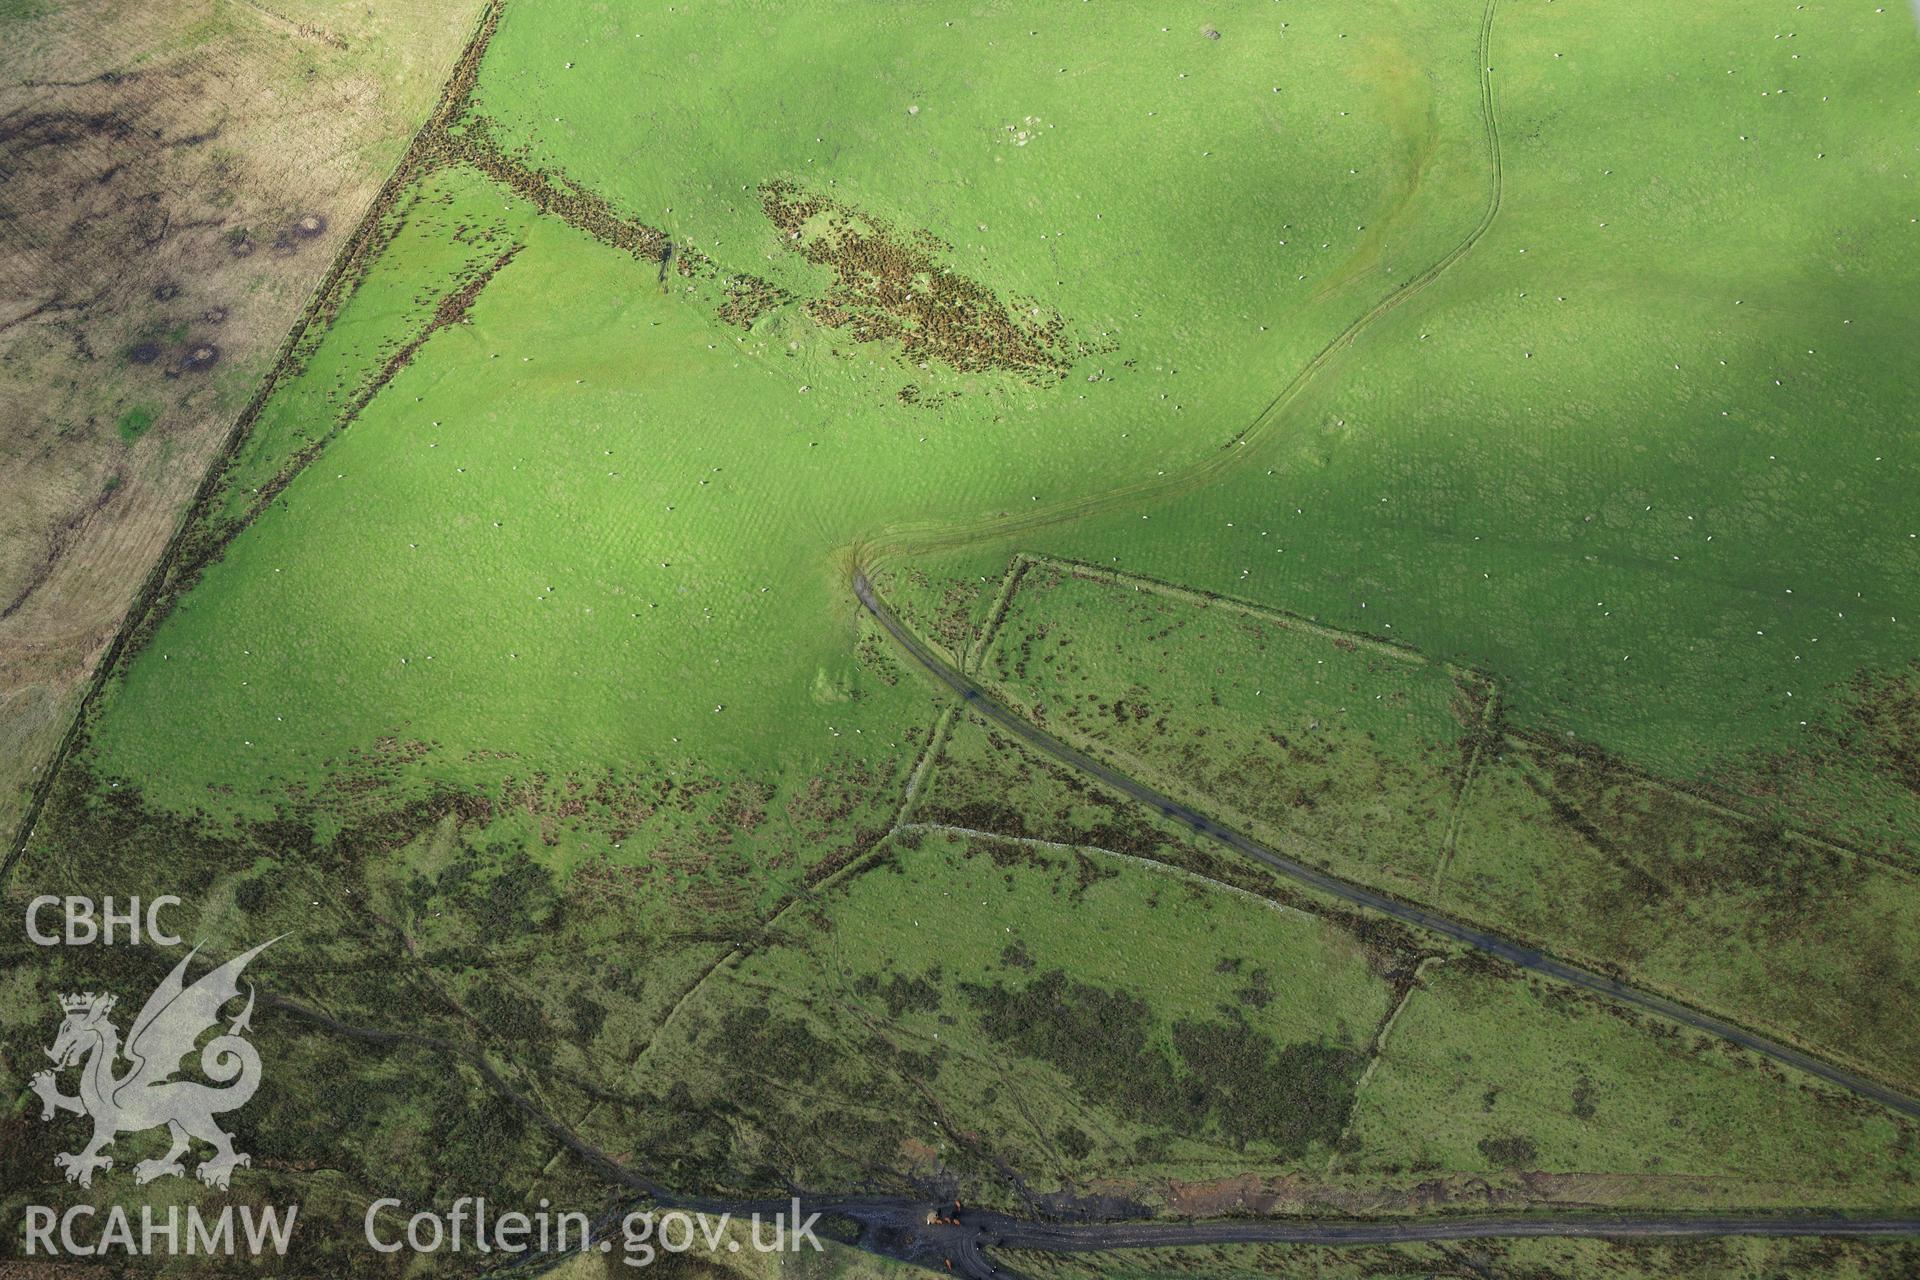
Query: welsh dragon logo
[[170, 1024]]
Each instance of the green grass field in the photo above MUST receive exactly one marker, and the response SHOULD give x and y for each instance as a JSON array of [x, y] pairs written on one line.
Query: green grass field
[[1486, 1078], [1349, 749], [1086, 1017], [1511, 472], [1081, 1015], [1480, 434], [623, 475], [1393, 771], [1515, 1082]]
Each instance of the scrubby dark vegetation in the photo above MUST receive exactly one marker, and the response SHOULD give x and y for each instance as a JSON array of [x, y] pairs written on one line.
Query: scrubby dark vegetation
[[893, 287], [1223, 1076]]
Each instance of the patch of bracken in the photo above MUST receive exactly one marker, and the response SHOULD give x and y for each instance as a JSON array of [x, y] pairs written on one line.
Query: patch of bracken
[[748, 298], [554, 194], [893, 287]]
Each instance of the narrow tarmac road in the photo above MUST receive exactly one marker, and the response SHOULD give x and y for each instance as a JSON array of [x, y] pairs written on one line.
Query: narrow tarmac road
[[978, 1233], [942, 1239], [978, 700]]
